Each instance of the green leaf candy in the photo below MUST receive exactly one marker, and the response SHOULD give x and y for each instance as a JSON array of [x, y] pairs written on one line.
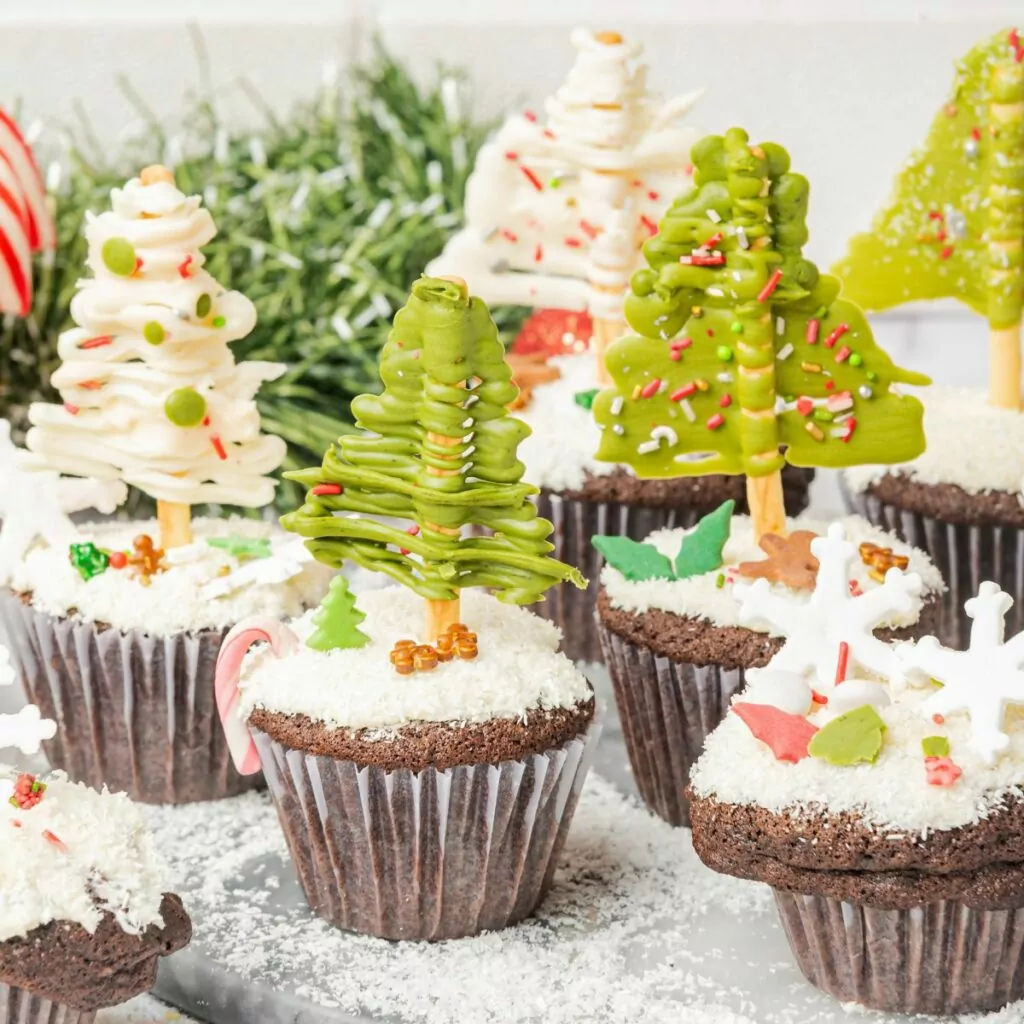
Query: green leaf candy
[[637, 562], [702, 547], [851, 738], [935, 746]]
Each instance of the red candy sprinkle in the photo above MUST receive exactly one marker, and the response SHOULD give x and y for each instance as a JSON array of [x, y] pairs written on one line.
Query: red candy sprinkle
[[773, 282], [804, 406], [713, 240], [946, 253], [716, 421], [100, 342], [851, 426], [681, 342], [51, 838], [843, 354], [649, 225], [530, 115], [538, 253], [509, 236], [218, 447], [725, 401], [650, 389], [684, 392], [510, 155], [716, 259], [322, 489], [831, 340], [812, 332], [573, 243], [818, 698], [786, 735], [843, 663], [138, 265], [73, 409], [532, 178], [184, 265], [589, 230], [939, 719]]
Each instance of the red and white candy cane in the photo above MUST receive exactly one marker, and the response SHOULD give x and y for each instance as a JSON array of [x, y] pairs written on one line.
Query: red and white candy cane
[[236, 645]]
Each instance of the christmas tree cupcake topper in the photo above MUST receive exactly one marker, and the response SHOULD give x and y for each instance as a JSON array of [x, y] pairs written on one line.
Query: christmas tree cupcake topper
[[439, 449], [955, 224], [746, 357], [151, 393]]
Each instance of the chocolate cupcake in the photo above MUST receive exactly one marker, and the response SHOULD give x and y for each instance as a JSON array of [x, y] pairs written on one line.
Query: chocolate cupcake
[[84, 918], [123, 661], [583, 497], [679, 644], [887, 820], [960, 501], [428, 805]]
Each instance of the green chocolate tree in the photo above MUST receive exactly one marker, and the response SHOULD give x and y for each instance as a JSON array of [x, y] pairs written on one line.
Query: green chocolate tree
[[337, 620], [439, 449], [955, 223], [746, 357]]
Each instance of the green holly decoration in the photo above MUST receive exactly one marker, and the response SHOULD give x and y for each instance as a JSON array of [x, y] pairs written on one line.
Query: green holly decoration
[[727, 266], [637, 562], [241, 547], [702, 547], [185, 407], [850, 739], [88, 559], [337, 620], [437, 447], [118, 255], [935, 746]]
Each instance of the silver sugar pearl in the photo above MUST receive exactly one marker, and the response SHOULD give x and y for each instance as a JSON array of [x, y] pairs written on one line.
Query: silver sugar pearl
[[619, 429], [865, 392], [972, 148]]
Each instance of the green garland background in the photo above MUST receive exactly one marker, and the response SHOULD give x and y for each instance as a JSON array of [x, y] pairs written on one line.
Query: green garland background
[[326, 217]]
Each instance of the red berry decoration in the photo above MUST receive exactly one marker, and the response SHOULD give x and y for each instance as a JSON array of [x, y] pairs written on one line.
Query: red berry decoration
[[118, 559], [28, 791]]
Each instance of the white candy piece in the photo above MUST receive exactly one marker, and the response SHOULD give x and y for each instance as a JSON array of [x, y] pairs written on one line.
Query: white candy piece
[[814, 630], [787, 691], [850, 695], [286, 561], [982, 680]]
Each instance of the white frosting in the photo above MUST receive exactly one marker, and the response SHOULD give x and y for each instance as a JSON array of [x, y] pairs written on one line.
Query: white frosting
[[115, 426], [559, 453], [174, 601], [574, 245], [107, 862], [970, 443], [518, 670], [701, 597]]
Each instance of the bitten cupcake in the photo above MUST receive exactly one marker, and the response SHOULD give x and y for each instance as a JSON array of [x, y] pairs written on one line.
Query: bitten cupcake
[[425, 752], [680, 640], [115, 629], [886, 817], [84, 917], [952, 229]]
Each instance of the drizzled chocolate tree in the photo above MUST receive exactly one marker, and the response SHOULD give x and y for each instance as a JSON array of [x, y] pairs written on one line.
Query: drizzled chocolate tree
[[955, 224], [746, 358], [439, 450]]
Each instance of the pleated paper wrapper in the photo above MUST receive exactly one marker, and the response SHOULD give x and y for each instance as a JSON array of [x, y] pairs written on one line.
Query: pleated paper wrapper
[[667, 709], [966, 556], [941, 958], [134, 712], [426, 855], [24, 1008]]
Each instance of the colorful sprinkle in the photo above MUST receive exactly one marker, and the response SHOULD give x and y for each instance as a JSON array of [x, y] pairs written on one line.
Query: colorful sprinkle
[[218, 447], [786, 351], [185, 407], [724, 353], [773, 282], [183, 267], [813, 327], [815, 431], [716, 421], [736, 327], [843, 354], [650, 389], [831, 340], [532, 178], [219, 321], [325, 489], [810, 367], [856, 359], [99, 342], [684, 392], [843, 662], [725, 401], [154, 332]]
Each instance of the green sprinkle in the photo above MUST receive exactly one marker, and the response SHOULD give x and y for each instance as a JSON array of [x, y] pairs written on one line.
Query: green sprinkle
[[856, 359], [737, 327], [820, 312], [871, 375], [935, 746], [720, 580], [119, 256], [555, 183], [203, 306], [724, 352], [154, 332], [185, 407], [822, 414], [219, 321]]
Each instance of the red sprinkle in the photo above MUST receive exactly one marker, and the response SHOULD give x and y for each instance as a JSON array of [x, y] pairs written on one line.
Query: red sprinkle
[[532, 178], [73, 409], [573, 243], [529, 115], [100, 342], [818, 698], [725, 401], [684, 392], [946, 253], [414, 530], [851, 426], [976, 133], [589, 230], [843, 354], [812, 332], [935, 215], [831, 340], [650, 389], [653, 196], [538, 253], [511, 155], [51, 838], [649, 225], [508, 235], [138, 265], [713, 240], [549, 134], [118, 559], [675, 355], [681, 342], [206, 421], [90, 385], [218, 447], [688, 169], [184, 265], [716, 421], [830, 385], [322, 489], [939, 719], [844, 661], [804, 406], [716, 259], [773, 282]]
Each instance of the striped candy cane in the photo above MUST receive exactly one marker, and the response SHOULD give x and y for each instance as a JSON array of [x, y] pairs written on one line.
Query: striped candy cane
[[236, 645], [25, 222]]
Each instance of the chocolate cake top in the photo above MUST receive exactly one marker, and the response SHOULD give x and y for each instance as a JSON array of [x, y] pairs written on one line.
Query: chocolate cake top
[[517, 669], [69, 853]]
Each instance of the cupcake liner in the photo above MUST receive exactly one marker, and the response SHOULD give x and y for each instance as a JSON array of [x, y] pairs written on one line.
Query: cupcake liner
[[667, 709], [20, 1007], [965, 555], [134, 712], [575, 522], [425, 855], [941, 958]]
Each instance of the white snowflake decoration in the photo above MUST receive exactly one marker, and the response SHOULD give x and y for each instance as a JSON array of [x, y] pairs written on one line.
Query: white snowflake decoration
[[982, 680], [34, 504], [27, 729], [815, 629], [286, 561]]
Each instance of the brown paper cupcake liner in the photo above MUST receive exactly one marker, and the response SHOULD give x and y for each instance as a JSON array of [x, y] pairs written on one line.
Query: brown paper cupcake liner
[[428, 855], [20, 1007], [965, 555], [941, 958], [667, 709], [134, 712]]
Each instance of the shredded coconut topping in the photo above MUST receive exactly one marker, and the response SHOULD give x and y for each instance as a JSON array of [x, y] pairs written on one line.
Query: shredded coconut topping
[[518, 669], [970, 443], [702, 597], [172, 603]]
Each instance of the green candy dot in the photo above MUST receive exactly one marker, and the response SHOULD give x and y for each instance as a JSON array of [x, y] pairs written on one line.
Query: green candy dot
[[724, 352], [737, 327], [823, 415], [185, 407], [154, 333], [119, 256], [219, 321], [871, 375], [856, 359], [203, 306]]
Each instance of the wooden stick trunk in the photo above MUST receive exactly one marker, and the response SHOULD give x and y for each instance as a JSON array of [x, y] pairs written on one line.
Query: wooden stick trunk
[[175, 524]]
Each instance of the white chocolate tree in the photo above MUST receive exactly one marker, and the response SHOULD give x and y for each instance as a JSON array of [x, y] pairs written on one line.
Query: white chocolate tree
[[557, 212], [151, 391]]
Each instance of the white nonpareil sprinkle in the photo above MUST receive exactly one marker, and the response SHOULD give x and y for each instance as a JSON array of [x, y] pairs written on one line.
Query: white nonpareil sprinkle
[[611, 944], [108, 863], [518, 670], [701, 597], [958, 420], [786, 351], [780, 325], [713, 216]]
